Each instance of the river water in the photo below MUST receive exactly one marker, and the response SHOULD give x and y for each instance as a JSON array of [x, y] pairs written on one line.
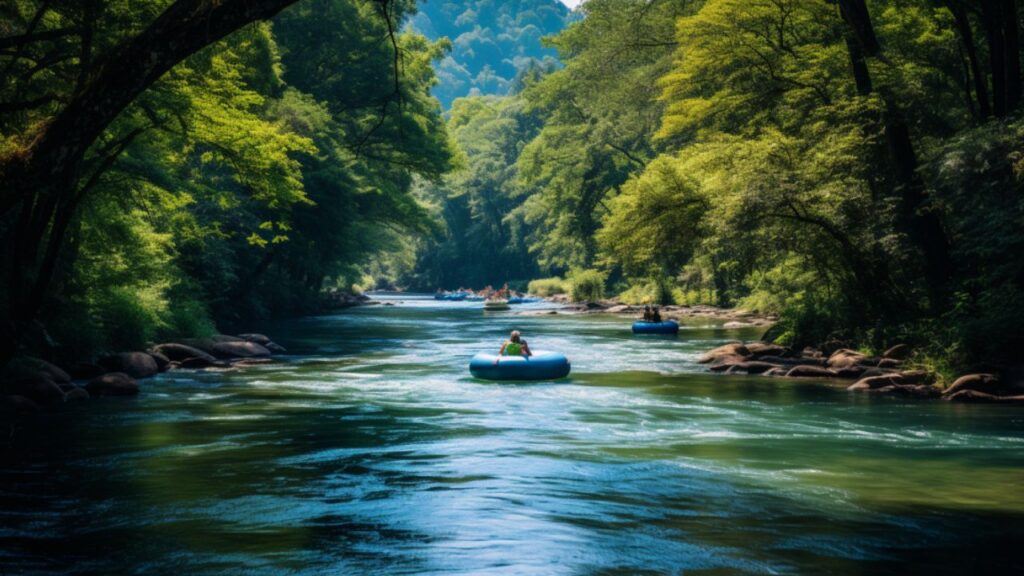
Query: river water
[[370, 450]]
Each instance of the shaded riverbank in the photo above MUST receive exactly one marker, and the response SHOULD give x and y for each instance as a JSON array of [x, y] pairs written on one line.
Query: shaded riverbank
[[368, 448]]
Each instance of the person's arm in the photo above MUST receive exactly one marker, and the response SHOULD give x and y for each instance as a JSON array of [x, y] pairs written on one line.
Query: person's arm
[[500, 352], [526, 350]]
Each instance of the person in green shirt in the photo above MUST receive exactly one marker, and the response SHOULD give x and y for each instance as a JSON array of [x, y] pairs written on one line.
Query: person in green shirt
[[515, 346]]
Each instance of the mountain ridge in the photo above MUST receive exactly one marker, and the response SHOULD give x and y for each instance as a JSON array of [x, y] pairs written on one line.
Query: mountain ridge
[[492, 42]]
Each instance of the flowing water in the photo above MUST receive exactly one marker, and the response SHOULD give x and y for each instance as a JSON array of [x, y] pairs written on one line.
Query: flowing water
[[370, 450]]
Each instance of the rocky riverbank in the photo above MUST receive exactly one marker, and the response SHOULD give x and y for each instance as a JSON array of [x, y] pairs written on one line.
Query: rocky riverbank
[[335, 299], [29, 386], [733, 318], [888, 374]]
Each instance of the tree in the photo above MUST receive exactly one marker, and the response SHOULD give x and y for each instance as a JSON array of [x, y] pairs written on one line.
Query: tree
[[915, 216], [231, 152], [43, 177]]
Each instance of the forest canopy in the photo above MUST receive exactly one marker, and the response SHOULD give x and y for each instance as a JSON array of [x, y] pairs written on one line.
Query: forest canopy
[[255, 173], [851, 165]]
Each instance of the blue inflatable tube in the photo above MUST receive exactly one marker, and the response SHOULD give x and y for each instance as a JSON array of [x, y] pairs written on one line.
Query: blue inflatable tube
[[666, 327], [540, 366]]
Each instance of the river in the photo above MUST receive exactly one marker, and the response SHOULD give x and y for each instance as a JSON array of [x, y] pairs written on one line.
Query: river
[[370, 450]]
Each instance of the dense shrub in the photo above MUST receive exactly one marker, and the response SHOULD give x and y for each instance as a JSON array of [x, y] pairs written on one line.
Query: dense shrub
[[586, 285], [656, 291], [547, 286]]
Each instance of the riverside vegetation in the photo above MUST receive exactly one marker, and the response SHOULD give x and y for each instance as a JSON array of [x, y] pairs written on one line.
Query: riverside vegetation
[[853, 166]]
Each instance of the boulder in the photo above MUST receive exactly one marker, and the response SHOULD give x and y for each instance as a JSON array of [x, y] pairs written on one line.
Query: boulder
[[75, 395], [225, 338], [810, 352], [830, 347], [751, 367], [725, 363], [897, 352], [28, 367], [917, 377], [205, 361], [969, 395], [613, 310], [55, 373], [725, 351], [239, 350], [844, 358], [134, 364], [852, 372], [805, 371], [792, 361], [873, 382], [113, 384], [40, 389], [87, 371], [875, 371], [777, 371], [163, 363], [275, 348], [221, 346], [909, 390], [759, 349], [179, 352], [256, 338], [987, 383], [15, 407], [251, 361], [889, 363], [736, 324]]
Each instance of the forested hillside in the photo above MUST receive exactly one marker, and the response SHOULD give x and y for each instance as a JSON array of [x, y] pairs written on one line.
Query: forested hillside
[[852, 165], [493, 42]]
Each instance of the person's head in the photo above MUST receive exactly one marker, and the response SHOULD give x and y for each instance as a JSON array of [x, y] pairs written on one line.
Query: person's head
[[647, 308], [515, 336]]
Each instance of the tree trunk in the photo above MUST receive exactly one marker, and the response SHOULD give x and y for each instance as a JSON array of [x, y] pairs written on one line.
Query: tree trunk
[[1011, 43], [857, 17], [43, 178], [721, 283], [992, 16], [966, 33], [915, 218], [861, 74]]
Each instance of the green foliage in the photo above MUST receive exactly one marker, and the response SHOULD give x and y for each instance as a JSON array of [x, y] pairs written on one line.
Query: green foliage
[[547, 287], [269, 166], [600, 113], [716, 151], [484, 241], [656, 291], [586, 285], [655, 224]]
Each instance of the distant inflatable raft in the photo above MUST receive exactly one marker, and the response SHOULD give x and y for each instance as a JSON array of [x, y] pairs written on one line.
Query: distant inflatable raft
[[666, 327], [540, 366]]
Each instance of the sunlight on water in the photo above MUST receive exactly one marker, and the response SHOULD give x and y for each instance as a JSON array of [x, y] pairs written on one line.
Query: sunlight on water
[[370, 449]]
